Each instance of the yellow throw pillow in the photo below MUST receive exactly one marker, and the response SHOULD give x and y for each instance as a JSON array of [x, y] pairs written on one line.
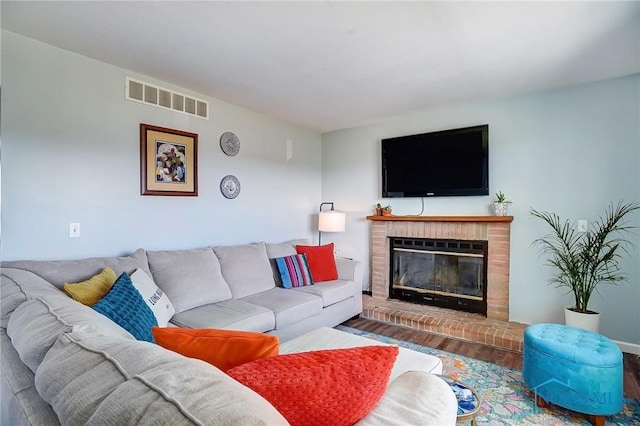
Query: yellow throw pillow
[[89, 292]]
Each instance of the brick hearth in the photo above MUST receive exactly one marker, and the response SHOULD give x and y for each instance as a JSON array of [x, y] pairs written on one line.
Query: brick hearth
[[460, 325], [494, 329]]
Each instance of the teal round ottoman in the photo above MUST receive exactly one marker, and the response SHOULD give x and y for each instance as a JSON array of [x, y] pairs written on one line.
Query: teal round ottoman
[[574, 368]]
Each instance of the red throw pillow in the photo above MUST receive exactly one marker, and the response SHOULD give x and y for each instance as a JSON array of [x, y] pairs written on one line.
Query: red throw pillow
[[328, 387], [322, 263], [223, 348]]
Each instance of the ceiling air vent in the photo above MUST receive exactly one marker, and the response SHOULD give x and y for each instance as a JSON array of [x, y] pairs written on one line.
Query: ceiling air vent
[[145, 93]]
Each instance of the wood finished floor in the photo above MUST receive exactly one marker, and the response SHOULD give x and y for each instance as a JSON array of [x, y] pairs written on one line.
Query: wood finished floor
[[486, 353]]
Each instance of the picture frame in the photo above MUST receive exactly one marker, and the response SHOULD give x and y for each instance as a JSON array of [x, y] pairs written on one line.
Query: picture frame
[[168, 161]]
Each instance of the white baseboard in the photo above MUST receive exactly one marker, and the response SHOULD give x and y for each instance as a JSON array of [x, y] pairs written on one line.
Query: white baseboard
[[630, 348]]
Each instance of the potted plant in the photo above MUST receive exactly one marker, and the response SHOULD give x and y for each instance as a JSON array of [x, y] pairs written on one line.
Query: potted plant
[[583, 260], [501, 204], [386, 210], [378, 209]]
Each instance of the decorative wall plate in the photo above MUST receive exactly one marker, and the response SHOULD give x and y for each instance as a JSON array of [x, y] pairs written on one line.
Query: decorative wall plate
[[229, 143], [230, 186]]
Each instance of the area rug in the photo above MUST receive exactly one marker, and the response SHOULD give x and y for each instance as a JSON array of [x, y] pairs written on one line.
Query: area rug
[[505, 398]]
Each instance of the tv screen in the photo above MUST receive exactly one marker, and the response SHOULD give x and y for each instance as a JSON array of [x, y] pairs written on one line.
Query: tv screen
[[445, 163]]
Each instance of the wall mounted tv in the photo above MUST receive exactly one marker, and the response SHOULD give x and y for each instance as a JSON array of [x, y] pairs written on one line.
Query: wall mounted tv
[[445, 163]]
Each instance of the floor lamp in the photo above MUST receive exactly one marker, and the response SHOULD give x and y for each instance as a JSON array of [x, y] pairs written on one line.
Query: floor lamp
[[330, 221]]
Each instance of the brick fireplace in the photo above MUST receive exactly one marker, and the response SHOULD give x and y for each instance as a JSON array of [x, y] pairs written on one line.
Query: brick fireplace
[[492, 329]]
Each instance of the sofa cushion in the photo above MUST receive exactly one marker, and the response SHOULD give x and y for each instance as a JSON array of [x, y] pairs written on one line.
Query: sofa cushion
[[294, 271], [88, 292], [285, 249], [322, 262], [223, 348], [58, 272], [228, 314], [275, 250], [289, 307], [330, 291], [333, 387], [106, 380], [21, 403], [155, 298], [17, 286], [246, 268], [35, 325], [189, 278], [414, 398], [125, 306]]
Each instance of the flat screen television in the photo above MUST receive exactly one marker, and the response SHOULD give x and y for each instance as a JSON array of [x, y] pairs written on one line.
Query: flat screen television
[[445, 163]]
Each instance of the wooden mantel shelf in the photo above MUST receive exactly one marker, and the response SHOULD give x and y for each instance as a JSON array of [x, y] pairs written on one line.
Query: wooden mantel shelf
[[409, 218]]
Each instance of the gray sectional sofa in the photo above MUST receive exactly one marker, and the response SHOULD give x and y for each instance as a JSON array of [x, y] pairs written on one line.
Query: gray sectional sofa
[[64, 363], [230, 287]]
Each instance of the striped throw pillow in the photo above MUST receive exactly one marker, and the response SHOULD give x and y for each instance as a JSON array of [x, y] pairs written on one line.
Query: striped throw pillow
[[294, 271]]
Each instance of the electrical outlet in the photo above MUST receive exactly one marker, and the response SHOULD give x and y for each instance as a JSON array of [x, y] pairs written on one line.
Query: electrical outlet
[[583, 225], [74, 230]]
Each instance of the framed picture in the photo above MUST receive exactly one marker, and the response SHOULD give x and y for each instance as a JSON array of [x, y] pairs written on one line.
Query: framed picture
[[168, 161]]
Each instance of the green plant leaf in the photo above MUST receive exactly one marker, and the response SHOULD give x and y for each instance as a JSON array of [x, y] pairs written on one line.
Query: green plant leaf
[[582, 261]]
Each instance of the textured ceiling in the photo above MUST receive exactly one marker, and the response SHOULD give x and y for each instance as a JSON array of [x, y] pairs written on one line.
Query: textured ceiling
[[332, 65]]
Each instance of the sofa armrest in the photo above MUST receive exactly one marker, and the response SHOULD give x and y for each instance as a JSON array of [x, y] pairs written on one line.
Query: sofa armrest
[[350, 270]]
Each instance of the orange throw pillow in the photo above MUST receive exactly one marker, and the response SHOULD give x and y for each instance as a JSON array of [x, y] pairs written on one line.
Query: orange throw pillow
[[223, 348], [322, 263], [328, 387]]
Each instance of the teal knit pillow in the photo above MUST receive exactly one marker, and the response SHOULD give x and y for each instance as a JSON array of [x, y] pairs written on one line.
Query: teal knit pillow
[[125, 306]]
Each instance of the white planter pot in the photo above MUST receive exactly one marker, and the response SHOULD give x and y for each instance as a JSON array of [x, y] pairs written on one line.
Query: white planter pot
[[500, 209], [589, 322]]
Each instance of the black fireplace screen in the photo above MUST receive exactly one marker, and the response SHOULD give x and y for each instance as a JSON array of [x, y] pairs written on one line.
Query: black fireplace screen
[[447, 273]]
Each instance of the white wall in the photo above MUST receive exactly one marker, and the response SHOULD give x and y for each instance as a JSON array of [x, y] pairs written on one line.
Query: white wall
[[70, 153], [571, 151]]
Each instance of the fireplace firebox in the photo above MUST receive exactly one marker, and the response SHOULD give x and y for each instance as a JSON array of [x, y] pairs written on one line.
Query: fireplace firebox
[[439, 272]]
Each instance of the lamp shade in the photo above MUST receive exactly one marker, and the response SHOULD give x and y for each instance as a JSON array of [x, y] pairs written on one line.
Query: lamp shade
[[331, 221]]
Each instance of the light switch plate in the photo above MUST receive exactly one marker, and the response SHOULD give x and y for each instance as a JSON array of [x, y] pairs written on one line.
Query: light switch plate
[[74, 230]]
